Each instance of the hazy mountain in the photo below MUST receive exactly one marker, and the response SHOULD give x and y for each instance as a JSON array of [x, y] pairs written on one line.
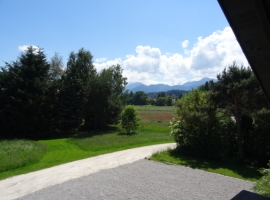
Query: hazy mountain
[[131, 86], [134, 87]]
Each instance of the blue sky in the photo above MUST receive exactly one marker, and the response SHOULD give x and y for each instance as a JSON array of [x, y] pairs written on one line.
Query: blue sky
[[155, 41]]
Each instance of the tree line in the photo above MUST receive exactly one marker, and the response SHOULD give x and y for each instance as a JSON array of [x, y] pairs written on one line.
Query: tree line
[[39, 97], [227, 120], [161, 99]]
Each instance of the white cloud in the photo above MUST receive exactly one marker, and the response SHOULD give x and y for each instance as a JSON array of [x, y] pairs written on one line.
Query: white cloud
[[107, 64], [212, 54], [25, 47], [208, 57], [185, 44], [101, 60]]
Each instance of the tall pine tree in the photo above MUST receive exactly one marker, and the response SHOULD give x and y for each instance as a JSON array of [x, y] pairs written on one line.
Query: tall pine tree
[[25, 109], [76, 80]]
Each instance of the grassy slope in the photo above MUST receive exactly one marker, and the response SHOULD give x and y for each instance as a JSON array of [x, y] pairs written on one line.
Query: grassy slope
[[227, 169], [84, 145]]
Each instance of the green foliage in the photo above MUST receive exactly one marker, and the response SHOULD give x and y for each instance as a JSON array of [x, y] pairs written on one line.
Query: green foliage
[[25, 107], [105, 98], [263, 185], [56, 67], [129, 118], [139, 98], [161, 101], [161, 94], [150, 101], [232, 94], [169, 100], [230, 122], [19, 153], [173, 93], [40, 98], [77, 76], [195, 126], [237, 93]]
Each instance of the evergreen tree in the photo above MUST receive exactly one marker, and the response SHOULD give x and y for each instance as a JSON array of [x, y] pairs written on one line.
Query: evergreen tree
[[25, 108], [105, 98], [233, 94], [56, 67], [76, 80]]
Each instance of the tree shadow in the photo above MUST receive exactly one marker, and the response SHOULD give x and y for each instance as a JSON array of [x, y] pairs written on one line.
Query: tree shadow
[[127, 134], [90, 133], [199, 163], [57, 134]]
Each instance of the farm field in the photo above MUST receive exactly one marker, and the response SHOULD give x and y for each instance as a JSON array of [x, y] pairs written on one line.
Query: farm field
[[153, 130], [155, 115]]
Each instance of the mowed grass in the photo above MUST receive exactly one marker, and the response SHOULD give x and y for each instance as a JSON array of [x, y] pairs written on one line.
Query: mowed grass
[[82, 145], [226, 169]]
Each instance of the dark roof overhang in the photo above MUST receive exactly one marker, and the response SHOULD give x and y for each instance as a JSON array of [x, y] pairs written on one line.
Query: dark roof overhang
[[249, 20]]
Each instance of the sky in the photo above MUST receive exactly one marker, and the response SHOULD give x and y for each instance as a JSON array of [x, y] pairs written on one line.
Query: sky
[[154, 41]]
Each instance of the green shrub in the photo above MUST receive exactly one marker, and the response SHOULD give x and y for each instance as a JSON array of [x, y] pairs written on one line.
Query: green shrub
[[129, 118], [263, 185], [195, 128]]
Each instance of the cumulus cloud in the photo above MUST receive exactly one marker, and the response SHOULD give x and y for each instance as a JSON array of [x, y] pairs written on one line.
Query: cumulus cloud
[[208, 57], [98, 60], [185, 44], [107, 64], [25, 47]]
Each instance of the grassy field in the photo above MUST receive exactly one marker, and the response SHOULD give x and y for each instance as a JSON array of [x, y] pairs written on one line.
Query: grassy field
[[156, 115], [47, 153], [227, 169], [18, 157]]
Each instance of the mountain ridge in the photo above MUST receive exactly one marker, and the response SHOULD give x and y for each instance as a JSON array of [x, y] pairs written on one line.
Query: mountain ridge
[[134, 87]]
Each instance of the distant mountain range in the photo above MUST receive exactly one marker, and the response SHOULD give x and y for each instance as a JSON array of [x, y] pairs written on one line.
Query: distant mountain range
[[134, 87]]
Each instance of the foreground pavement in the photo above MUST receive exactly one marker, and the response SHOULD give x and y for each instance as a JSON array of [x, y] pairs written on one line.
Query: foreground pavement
[[146, 180], [19, 186]]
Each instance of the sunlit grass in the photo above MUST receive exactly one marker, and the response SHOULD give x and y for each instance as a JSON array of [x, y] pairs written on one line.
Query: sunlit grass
[[19, 153], [86, 144]]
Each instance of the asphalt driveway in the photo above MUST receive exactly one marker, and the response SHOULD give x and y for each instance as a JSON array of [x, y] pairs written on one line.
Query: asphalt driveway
[[122, 175]]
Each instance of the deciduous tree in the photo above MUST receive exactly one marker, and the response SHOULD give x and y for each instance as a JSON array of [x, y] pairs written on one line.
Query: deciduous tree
[[129, 118]]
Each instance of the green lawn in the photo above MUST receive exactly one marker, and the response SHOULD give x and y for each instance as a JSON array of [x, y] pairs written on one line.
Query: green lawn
[[80, 145], [227, 169], [18, 157]]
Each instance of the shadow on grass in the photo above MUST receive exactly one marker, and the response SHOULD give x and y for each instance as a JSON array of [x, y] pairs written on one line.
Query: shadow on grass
[[198, 163], [127, 134], [75, 134], [91, 133]]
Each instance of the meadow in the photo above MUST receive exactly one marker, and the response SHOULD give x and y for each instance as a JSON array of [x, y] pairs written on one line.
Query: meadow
[[22, 156]]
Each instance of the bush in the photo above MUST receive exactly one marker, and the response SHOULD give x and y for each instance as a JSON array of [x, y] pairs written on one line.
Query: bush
[[195, 129], [130, 119], [263, 186]]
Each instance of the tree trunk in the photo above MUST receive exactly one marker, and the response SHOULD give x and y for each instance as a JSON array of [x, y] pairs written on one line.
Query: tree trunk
[[240, 145]]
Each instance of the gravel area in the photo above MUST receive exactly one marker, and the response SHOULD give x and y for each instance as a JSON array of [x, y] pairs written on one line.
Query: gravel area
[[146, 179]]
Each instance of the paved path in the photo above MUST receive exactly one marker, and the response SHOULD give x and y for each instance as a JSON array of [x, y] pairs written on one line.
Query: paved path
[[145, 180], [22, 185]]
